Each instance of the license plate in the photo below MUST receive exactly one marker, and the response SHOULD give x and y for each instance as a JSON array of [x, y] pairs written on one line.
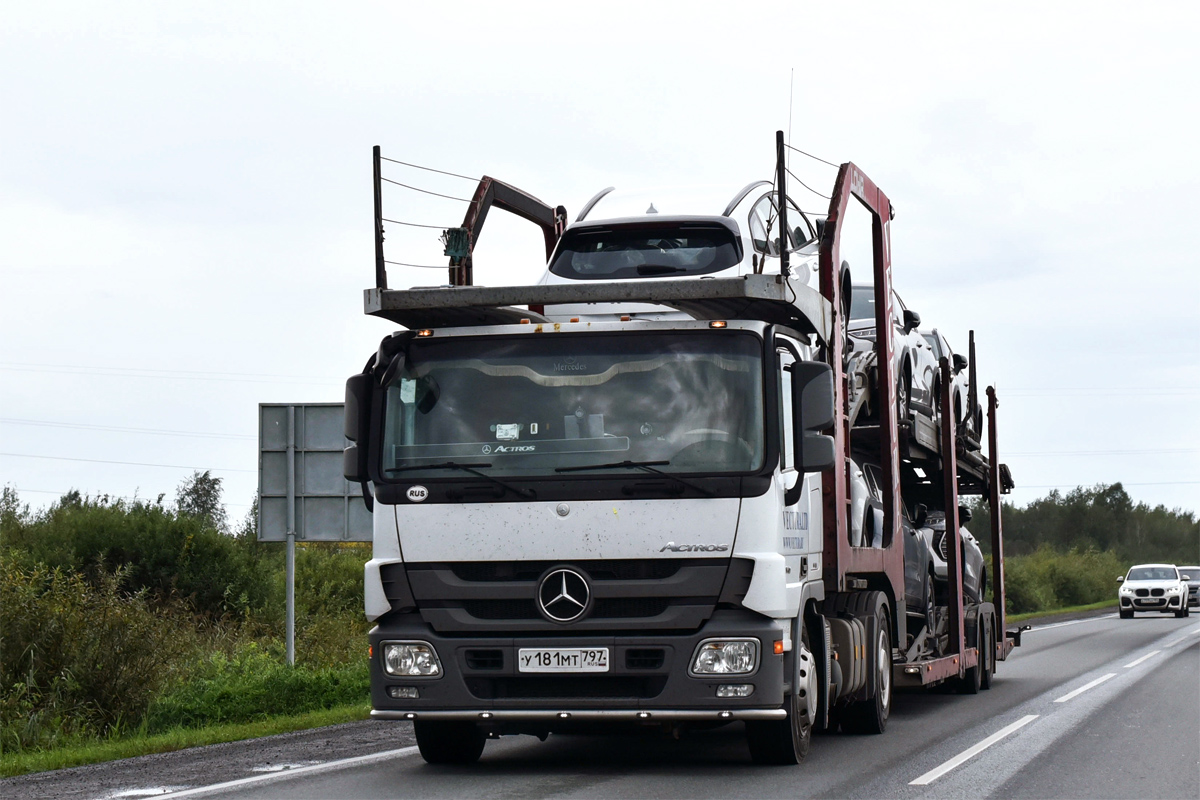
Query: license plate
[[562, 659]]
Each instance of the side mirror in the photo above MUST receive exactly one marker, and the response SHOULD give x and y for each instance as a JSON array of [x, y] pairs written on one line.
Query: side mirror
[[1185, 577], [964, 515], [357, 426], [812, 405], [1120, 579], [912, 320], [820, 222], [920, 515], [960, 363]]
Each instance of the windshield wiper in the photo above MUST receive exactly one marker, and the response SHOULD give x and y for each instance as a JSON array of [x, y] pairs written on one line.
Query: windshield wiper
[[648, 466], [474, 470], [658, 269]]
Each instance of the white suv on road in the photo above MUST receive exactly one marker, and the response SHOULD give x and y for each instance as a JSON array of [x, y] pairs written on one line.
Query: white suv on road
[[1153, 587]]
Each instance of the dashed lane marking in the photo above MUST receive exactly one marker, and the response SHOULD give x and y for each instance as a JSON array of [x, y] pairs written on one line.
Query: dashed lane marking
[[1143, 658], [1085, 687], [971, 752]]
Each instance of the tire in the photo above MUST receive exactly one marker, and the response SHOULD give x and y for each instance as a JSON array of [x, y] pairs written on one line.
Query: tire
[[987, 653], [871, 715], [972, 680], [903, 395], [786, 741], [449, 742], [1126, 613], [1181, 613]]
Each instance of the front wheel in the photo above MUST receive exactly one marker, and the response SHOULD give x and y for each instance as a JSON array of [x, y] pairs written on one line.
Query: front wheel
[[1126, 613], [449, 742], [786, 741]]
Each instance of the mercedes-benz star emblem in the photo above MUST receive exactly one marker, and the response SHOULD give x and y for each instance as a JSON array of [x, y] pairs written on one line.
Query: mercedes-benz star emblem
[[563, 595]]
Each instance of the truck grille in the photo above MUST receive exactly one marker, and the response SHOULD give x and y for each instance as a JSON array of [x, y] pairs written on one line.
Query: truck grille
[[500, 597], [563, 687]]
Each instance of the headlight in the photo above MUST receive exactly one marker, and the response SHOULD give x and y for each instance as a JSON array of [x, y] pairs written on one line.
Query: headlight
[[1126, 590], [725, 657], [411, 659]]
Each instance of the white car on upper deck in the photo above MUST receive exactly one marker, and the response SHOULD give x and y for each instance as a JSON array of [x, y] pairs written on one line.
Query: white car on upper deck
[[646, 235]]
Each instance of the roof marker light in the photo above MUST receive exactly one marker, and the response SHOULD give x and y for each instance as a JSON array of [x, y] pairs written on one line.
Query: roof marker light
[[425, 332], [718, 323]]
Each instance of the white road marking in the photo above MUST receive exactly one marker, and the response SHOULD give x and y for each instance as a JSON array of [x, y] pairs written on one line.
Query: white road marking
[[1082, 689], [328, 766], [282, 767], [1143, 658], [971, 752], [1069, 622]]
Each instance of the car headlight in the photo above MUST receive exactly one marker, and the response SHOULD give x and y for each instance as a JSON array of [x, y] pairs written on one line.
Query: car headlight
[[725, 657], [1126, 590], [411, 660]]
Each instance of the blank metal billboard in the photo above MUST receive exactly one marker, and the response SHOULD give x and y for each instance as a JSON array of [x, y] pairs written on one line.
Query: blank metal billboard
[[300, 456]]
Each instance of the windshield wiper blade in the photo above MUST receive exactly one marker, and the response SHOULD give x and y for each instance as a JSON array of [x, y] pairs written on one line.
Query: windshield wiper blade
[[474, 470], [658, 269], [615, 465], [648, 466]]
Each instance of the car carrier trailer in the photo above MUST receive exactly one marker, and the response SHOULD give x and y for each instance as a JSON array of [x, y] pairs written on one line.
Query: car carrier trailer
[[614, 525]]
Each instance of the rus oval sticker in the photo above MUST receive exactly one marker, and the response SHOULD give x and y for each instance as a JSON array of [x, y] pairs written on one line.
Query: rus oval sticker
[[417, 494]]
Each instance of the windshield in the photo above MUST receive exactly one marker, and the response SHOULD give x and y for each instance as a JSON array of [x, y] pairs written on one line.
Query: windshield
[[528, 405], [1192, 573], [641, 251], [1152, 574], [862, 303]]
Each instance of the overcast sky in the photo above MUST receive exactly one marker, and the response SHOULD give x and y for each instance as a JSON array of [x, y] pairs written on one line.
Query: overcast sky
[[185, 200]]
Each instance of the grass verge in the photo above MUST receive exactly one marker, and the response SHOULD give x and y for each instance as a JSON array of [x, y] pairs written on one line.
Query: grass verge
[[1058, 612], [94, 752]]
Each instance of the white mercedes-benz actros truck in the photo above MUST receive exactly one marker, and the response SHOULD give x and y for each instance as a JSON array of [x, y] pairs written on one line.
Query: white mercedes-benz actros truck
[[604, 525]]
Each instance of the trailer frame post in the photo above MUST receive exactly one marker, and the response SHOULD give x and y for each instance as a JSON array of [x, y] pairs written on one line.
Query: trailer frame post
[[999, 598], [954, 601], [781, 185], [380, 265], [842, 560]]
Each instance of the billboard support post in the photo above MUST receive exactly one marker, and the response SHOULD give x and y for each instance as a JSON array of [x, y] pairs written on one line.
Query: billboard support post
[[290, 569]]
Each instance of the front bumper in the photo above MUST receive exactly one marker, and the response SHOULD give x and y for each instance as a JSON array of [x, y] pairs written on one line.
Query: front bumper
[[647, 681], [1151, 603]]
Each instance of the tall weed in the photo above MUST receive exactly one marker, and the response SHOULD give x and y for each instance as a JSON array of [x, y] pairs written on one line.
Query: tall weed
[[80, 658]]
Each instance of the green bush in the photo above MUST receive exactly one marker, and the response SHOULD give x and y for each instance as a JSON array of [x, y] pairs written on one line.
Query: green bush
[[168, 554], [252, 684], [80, 658], [1048, 579]]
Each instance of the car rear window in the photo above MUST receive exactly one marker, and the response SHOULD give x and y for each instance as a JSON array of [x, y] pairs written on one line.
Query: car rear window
[[640, 251]]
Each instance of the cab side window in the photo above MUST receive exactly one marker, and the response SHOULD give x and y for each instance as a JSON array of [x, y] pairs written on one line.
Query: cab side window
[[787, 459]]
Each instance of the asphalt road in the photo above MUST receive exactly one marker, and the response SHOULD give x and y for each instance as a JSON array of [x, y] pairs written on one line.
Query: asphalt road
[[1098, 707]]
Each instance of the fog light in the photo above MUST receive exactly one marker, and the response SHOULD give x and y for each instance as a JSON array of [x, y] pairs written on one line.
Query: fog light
[[404, 692], [735, 690], [725, 657], [411, 659]]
